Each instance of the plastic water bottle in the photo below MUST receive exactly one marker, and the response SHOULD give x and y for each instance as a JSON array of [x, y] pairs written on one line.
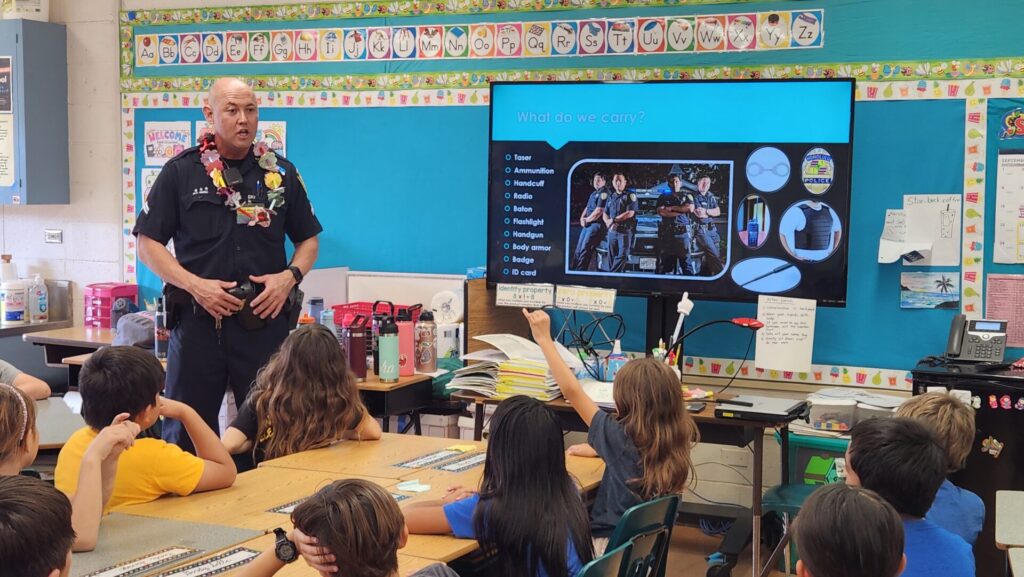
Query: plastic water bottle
[[316, 308], [327, 320], [426, 343], [38, 301]]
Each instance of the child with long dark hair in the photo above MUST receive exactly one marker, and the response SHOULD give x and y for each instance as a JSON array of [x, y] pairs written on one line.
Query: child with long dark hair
[[528, 510], [645, 445], [304, 398]]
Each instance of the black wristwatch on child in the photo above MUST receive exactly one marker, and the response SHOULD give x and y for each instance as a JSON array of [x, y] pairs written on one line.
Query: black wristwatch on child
[[284, 548]]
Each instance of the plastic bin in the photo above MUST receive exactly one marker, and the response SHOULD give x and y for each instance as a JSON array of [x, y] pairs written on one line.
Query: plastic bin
[[832, 414], [446, 426], [865, 412], [344, 313]]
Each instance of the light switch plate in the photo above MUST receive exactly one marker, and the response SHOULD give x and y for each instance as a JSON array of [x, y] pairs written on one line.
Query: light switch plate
[[54, 236]]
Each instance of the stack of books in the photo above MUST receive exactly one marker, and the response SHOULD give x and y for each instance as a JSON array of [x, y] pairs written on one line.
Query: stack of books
[[515, 367]]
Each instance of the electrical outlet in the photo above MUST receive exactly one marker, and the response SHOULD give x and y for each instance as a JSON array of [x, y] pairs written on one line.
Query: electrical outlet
[[54, 236]]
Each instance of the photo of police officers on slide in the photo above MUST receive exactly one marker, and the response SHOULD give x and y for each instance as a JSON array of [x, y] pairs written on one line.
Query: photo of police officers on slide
[[650, 218]]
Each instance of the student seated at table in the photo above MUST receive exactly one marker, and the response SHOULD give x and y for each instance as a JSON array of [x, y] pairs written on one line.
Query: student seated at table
[[650, 413], [353, 520], [528, 510], [957, 510], [35, 529], [304, 398], [845, 531], [36, 388], [901, 460], [19, 444], [129, 380]]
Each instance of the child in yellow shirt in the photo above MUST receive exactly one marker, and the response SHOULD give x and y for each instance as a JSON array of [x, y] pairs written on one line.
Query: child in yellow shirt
[[129, 380]]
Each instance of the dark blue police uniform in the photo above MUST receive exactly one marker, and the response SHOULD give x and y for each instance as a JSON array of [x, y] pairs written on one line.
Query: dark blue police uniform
[[620, 239], [674, 237], [706, 234], [592, 234], [183, 206]]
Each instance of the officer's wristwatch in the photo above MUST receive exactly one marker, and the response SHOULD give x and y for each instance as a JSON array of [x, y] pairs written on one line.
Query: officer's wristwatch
[[296, 273], [284, 548]]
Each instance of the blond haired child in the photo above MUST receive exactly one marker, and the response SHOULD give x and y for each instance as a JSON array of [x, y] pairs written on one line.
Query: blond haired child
[[956, 510]]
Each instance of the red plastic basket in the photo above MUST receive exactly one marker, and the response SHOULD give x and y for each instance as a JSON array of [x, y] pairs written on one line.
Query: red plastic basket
[[343, 314]]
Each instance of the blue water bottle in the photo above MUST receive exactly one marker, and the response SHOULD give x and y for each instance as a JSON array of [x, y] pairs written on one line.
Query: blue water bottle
[[752, 233], [387, 351]]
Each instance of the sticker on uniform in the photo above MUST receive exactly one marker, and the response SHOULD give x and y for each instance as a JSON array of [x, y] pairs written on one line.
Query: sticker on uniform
[[145, 563], [226, 561], [428, 459], [287, 508], [464, 464]]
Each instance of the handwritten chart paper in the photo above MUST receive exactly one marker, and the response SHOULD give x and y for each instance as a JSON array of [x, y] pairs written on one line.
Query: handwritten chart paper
[[935, 219], [531, 296], [893, 243], [1004, 300], [787, 340], [1009, 237]]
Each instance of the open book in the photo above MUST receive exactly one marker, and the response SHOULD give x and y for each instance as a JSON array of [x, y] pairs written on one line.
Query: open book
[[513, 347]]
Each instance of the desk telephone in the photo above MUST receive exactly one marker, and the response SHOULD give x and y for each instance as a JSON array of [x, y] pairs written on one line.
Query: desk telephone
[[981, 340]]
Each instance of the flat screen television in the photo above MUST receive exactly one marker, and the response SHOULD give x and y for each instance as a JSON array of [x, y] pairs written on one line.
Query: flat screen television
[[726, 189]]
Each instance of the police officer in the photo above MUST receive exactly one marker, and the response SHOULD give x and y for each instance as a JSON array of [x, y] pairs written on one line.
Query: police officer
[[218, 248], [674, 228], [594, 229], [705, 207], [620, 218]]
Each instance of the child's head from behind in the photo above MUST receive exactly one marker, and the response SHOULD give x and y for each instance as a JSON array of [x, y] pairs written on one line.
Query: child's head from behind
[[526, 486], [19, 441], [306, 394], [950, 419], [845, 531], [649, 400], [898, 458], [35, 528], [359, 523], [119, 380]]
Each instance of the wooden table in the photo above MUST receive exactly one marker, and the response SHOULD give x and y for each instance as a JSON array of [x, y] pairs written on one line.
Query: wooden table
[[55, 422], [713, 430], [248, 502], [1016, 561], [58, 344], [370, 458], [1009, 512], [407, 564]]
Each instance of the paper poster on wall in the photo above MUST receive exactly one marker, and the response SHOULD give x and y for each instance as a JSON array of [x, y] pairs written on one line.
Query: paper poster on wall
[[929, 290], [270, 131], [7, 159], [934, 218], [1004, 300], [6, 85], [893, 244], [165, 140], [786, 342], [1009, 235], [147, 176]]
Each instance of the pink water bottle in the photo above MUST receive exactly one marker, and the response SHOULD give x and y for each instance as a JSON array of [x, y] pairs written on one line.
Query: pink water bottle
[[406, 342]]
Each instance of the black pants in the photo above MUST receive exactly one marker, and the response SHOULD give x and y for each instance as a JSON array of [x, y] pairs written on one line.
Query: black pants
[[200, 367]]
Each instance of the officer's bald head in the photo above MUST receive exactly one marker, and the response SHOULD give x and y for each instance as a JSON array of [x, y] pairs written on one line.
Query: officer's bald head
[[227, 85], [232, 110]]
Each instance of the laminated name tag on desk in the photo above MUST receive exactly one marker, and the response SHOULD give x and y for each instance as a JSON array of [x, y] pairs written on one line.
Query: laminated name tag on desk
[[531, 296], [577, 298]]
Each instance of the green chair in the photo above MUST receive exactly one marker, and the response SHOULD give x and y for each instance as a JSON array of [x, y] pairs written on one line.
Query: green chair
[[785, 501], [644, 518], [610, 564], [647, 553]]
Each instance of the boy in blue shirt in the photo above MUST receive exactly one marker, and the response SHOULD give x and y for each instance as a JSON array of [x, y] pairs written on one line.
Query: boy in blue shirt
[[901, 460], [956, 510]]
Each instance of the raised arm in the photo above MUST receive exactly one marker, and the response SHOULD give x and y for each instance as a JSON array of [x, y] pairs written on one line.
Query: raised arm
[[540, 325]]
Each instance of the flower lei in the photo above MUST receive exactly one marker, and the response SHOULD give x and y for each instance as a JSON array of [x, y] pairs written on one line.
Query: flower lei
[[267, 160]]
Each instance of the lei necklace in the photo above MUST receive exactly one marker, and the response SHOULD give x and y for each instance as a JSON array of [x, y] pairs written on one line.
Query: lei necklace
[[249, 214]]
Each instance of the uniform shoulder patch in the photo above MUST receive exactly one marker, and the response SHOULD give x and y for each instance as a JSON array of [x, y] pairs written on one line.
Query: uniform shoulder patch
[[604, 196], [632, 196]]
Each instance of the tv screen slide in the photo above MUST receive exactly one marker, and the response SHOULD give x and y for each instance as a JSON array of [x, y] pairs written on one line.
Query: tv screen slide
[[725, 189]]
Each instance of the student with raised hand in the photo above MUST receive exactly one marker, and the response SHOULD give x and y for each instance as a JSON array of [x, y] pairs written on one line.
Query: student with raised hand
[[353, 520], [845, 531], [956, 510], [645, 445], [901, 460], [35, 529], [304, 398], [528, 510], [19, 444], [129, 380]]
